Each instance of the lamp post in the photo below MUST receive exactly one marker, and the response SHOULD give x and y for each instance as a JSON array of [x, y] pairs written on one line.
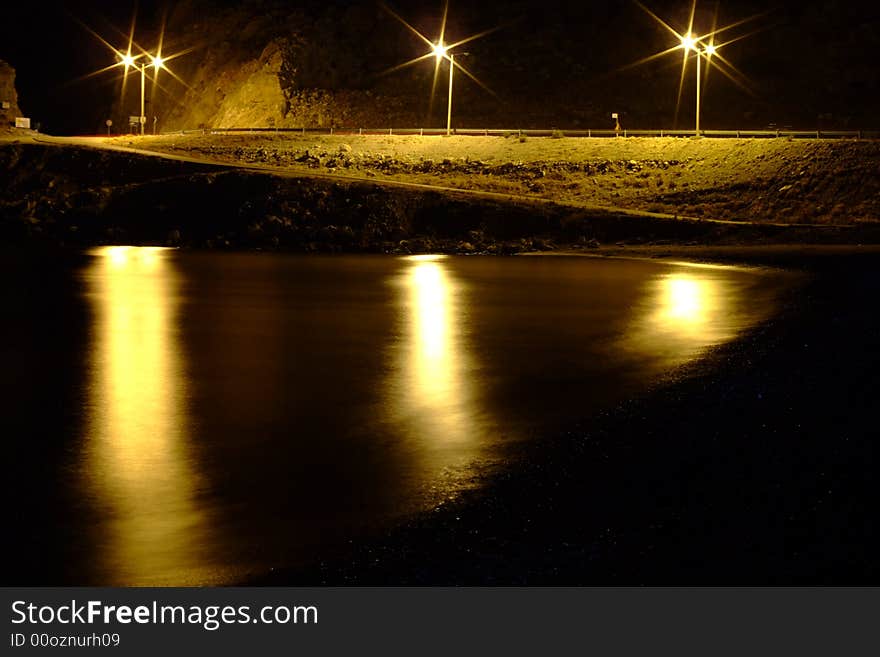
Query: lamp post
[[449, 106], [131, 61], [690, 42], [441, 51]]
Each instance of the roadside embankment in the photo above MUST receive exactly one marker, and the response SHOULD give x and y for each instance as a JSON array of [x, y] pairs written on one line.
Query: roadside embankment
[[757, 180], [66, 194]]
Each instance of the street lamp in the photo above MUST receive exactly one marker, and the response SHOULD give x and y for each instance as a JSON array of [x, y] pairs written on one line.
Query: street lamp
[[441, 51], [704, 46], [691, 43], [156, 61]]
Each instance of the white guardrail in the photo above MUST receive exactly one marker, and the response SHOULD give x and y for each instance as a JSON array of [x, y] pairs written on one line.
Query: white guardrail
[[498, 132]]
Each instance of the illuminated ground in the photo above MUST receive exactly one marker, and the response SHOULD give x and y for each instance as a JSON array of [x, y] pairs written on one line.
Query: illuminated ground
[[489, 195], [778, 180]]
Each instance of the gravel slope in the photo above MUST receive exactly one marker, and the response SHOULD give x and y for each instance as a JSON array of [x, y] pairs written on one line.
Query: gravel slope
[[763, 180]]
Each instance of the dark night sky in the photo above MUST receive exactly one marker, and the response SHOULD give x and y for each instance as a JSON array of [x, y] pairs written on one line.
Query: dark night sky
[[815, 56]]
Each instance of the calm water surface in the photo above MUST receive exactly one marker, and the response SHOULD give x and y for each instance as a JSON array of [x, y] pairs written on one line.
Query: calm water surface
[[182, 418]]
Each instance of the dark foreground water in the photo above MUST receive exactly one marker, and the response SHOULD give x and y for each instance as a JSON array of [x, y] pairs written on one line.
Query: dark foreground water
[[182, 418]]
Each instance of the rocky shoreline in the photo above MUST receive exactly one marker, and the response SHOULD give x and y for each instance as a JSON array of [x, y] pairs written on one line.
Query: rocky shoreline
[[79, 196], [752, 466], [753, 180]]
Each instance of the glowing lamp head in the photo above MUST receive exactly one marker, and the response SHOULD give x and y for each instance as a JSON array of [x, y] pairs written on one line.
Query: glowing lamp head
[[711, 50], [688, 42], [157, 62], [127, 59], [440, 50]]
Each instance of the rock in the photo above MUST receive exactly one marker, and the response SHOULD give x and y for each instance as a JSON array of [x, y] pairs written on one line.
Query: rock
[[476, 236], [7, 93]]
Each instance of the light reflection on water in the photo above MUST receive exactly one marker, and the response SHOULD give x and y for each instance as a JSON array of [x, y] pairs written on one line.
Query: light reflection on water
[[232, 420], [430, 398], [689, 309], [137, 462]]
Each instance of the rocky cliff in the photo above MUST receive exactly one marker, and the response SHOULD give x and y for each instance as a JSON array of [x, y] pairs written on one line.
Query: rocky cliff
[[8, 98], [321, 63], [263, 64]]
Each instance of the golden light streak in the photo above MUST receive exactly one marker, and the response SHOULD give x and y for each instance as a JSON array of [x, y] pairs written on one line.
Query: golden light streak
[[157, 61], [461, 68], [431, 322], [753, 17], [408, 63], [659, 20], [421, 36], [434, 80], [474, 37], [443, 23], [137, 458], [690, 28], [99, 37], [683, 312], [710, 48], [684, 61], [128, 54], [649, 58], [729, 71], [431, 394], [91, 74], [161, 42], [174, 75]]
